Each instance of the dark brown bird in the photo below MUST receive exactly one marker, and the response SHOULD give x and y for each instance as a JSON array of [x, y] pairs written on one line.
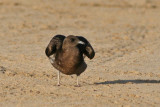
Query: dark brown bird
[[66, 54]]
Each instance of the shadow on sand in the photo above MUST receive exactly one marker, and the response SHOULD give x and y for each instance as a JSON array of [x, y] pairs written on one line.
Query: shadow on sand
[[138, 81]]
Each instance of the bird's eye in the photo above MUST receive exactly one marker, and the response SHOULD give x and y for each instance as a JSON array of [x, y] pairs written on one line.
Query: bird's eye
[[72, 39]]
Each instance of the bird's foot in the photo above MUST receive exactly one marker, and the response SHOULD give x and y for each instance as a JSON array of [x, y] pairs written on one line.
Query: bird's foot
[[58, 84], [77, 85]]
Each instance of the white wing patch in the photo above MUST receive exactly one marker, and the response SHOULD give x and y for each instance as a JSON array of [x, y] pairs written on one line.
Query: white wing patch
[[51, 59]]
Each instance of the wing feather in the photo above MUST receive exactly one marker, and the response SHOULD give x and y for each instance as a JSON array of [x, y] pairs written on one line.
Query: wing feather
[[87, 48], [54, 45]]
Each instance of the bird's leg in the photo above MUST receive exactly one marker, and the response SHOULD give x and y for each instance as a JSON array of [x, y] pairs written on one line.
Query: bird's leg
[[58, 77], [78, 81]]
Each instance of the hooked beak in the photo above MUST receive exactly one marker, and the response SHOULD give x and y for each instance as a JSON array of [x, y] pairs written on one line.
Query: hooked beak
[[80, 42]]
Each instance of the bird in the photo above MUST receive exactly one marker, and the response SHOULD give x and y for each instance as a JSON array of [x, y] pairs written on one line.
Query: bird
[[67, 53]]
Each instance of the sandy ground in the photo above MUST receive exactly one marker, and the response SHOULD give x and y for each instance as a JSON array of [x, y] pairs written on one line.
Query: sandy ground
[[124, 33]]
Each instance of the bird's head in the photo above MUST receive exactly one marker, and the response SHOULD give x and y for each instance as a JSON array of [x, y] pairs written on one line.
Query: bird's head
[[72, 41]]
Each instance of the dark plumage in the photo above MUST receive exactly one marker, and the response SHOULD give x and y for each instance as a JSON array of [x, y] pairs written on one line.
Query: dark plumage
[[66, 54]]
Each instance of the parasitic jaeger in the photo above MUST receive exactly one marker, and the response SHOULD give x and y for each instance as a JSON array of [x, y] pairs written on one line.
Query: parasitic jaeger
[[66, 54]]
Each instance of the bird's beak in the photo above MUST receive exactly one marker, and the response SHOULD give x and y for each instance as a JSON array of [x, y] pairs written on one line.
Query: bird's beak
[[80, 42]]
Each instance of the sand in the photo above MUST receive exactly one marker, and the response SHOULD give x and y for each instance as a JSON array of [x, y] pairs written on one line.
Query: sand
[[124, 33]]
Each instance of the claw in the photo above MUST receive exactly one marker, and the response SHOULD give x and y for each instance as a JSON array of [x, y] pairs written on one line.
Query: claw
[[77, 85]]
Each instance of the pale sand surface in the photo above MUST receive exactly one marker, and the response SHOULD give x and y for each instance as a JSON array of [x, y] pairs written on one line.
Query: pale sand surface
[[124, 33]]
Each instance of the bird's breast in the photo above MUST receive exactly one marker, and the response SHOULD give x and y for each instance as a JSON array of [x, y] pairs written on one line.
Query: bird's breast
[[69, 61]]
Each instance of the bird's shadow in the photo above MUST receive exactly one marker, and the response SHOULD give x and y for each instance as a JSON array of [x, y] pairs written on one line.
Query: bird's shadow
[[138, 81]]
